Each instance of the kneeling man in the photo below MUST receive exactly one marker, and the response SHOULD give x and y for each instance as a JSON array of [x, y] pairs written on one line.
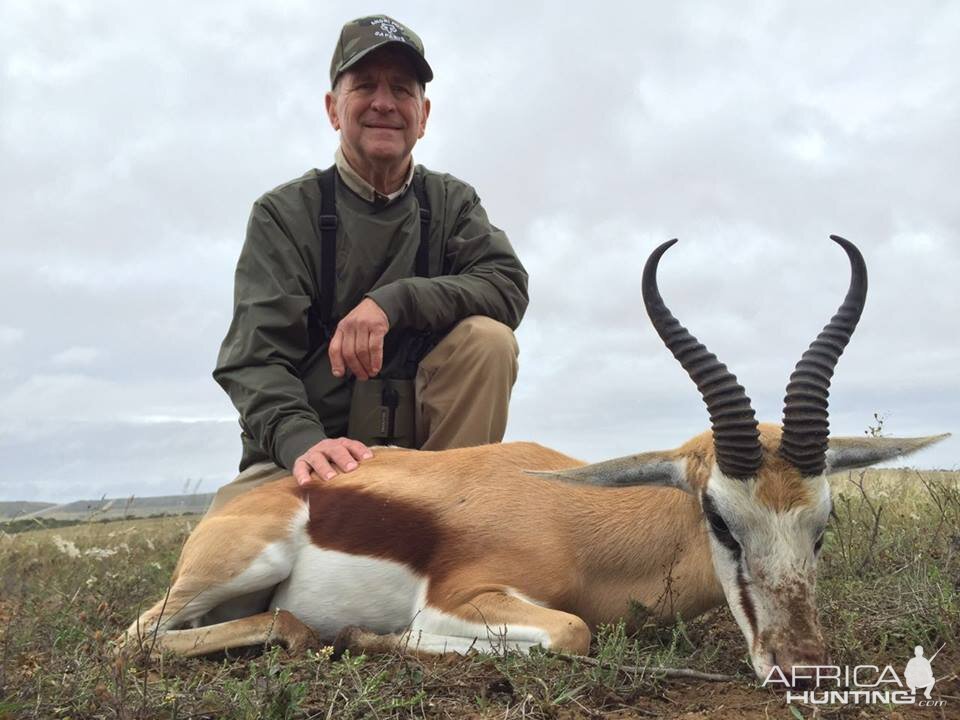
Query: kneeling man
[[374, 301]]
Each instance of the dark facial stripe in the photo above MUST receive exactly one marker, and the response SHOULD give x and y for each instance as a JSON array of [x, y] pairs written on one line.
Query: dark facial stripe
[[745, 602], [718, 527]]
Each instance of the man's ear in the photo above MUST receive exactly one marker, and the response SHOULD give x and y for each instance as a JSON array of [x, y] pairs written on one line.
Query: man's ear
[[426, 114], [851, 453], [330, 100], [651, 468]]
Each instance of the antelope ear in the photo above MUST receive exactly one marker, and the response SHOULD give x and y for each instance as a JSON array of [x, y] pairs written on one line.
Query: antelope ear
[[850, 453], [651, 468]]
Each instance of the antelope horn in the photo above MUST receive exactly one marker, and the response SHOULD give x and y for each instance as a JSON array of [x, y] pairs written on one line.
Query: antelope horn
[[736, 439], [805, 424]]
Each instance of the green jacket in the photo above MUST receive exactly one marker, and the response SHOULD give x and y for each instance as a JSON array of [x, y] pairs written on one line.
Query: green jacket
[[273, 361]]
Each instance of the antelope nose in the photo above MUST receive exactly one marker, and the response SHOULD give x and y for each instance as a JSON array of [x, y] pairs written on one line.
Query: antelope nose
[[802, 682], [800, 665], [794, 668]]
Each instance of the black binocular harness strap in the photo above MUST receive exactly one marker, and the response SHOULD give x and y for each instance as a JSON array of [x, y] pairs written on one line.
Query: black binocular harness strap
[[328, 239]]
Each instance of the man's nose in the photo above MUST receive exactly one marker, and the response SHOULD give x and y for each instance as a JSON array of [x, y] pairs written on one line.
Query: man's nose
[[383, 100]]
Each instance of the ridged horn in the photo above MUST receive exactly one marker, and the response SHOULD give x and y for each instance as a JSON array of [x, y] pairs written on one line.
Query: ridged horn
[[806, 428], [736, 438]]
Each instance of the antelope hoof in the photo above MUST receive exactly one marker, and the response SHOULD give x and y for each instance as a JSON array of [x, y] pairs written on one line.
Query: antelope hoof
[[293, 634], [350, 638]]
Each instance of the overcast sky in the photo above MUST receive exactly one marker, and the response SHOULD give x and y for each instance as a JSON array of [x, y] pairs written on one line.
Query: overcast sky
[[134, 138]]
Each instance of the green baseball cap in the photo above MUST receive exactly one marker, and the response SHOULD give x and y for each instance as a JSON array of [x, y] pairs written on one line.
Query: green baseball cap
[[362, 36]]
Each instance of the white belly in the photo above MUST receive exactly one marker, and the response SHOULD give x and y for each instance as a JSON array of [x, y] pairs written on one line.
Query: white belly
[[329, 590]]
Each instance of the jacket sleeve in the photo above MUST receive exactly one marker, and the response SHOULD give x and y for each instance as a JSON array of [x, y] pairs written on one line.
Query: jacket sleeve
[[481, 276], [268, 339]]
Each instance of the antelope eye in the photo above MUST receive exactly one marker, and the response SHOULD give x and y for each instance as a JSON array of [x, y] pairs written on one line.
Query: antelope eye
[[721, 531], [718, 526], [819, 543], [717, 523]]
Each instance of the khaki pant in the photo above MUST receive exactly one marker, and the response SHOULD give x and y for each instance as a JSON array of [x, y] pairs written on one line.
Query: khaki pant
[[462, 388]]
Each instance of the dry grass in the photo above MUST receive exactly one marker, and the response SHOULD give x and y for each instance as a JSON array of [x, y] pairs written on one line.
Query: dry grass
[[890, 579]]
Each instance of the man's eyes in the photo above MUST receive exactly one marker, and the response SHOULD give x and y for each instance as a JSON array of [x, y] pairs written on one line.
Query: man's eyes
[[370, 86]]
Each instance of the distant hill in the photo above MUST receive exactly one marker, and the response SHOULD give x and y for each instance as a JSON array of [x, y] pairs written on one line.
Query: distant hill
[[10, 510], [108, 508]]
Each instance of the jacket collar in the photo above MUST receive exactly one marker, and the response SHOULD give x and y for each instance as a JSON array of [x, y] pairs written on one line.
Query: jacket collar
[[364, 189]]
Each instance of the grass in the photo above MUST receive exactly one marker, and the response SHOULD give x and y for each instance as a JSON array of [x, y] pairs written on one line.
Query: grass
[[12, 527], [889, 580]]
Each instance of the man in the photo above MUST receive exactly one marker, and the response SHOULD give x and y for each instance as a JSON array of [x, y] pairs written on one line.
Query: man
[[419, 279]]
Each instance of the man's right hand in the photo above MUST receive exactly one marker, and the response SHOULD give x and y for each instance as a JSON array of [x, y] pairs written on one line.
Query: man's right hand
[[357, 343], [329, 455]]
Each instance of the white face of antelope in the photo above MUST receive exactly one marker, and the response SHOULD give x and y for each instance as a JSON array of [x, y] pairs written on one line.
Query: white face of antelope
[[767, 502], [765, 538]]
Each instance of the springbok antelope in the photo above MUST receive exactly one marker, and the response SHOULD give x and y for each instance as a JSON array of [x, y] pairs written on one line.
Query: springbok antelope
[[515, 545]]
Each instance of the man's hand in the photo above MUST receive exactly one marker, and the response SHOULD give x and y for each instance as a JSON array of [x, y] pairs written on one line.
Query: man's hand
[[357, 343], [343, 453]]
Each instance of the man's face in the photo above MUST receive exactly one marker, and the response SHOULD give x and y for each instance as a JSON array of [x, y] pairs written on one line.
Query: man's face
[[379, 109]]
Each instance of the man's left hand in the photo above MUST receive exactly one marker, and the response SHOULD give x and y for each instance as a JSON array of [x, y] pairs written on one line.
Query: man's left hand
[[357, 343]]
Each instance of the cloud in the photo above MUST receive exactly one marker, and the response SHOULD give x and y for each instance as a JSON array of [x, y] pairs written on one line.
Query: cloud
[[76, 356], [88, 460], [10, 335], [136, 139]]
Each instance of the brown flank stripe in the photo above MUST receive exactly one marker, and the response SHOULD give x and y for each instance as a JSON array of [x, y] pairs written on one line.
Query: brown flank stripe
[[363, 523]]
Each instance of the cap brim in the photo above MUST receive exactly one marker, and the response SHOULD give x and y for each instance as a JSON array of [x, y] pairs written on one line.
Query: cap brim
[[424, 71]]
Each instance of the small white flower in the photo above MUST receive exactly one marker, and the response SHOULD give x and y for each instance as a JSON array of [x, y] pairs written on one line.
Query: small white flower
[[67, 547], [100, 553]]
